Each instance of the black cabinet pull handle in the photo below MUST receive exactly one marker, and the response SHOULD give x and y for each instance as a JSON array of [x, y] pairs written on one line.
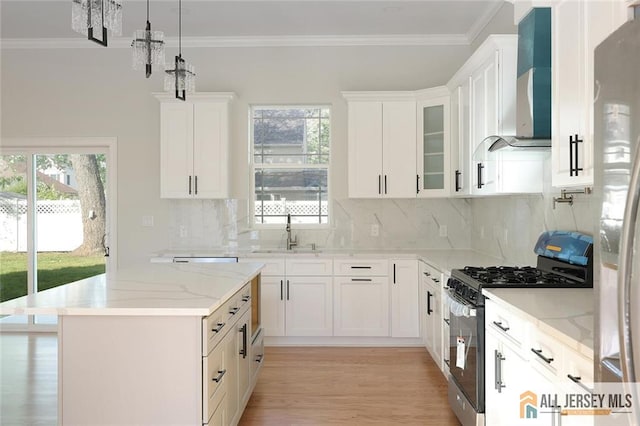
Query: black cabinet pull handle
[[577, 164], [361, 267], [429, 310], [234, 311], [480, 167], [435, 280], [259, 358], [385, 184], [219, 327], [446, 320], [246, 298], [361, 279], [379, 184], [281, 289], [394, 273], [574, 167], [287, 289], [221, 373], [571, 169], [428, 274], [500, 326], [417, 184], [243, 351], [458, 187], [539, 353], [196, 185], [189, 185]]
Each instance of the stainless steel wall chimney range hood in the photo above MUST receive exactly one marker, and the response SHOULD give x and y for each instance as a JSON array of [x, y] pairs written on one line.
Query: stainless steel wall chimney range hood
[[533, 91]]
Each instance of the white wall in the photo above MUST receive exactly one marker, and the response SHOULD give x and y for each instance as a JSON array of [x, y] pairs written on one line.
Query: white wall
[[93, 92]]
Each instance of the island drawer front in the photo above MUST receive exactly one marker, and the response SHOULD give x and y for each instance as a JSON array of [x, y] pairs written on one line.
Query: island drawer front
[[216, 325], [546, 351], [257, 354], [309, 266], [214, 381], [579, 367], [273, 266], [219, 416], [505, 322], [361, 267]]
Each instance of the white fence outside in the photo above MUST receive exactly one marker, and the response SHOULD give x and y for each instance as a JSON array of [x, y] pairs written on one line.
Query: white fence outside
[[59, 225]]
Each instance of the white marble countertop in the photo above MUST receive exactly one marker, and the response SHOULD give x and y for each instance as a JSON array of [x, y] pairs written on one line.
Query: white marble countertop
[[564, 313], [153, 289], [444, 260]]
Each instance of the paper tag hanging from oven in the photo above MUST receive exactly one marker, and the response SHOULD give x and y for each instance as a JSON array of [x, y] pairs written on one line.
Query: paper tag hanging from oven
[[460, 352]]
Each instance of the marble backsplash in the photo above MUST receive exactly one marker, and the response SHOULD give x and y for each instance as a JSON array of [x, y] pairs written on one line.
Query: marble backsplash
[[403, 224]]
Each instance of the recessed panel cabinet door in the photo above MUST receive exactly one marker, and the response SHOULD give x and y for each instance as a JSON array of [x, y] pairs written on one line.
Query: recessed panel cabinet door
[[361, 306], [176, 142], [272, 305], [405, 320], [398, 149], [309, 306], [365, 149], [210, 161]]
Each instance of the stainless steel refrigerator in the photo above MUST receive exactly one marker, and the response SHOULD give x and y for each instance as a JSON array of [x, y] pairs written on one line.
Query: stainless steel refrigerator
[[617, 185]]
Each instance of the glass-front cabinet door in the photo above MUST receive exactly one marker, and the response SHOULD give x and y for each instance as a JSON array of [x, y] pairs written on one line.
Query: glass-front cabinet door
[[433, 147]]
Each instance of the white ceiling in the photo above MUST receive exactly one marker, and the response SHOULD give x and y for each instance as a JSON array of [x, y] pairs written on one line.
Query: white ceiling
[[379, 22]]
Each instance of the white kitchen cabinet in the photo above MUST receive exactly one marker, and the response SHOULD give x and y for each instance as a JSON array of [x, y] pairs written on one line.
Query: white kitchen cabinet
[[296, 296], [381, 144], [431, 281], [433, 143], [361, 297], [446, 342], [485, 96], [577, 28], [405, 321], [194, 135]]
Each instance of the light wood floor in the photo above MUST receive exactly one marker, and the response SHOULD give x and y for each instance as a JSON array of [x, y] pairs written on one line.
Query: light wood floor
[[349, 386], [297, 386]]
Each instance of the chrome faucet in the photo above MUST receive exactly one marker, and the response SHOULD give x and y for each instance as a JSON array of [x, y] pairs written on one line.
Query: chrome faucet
[[290, 242]]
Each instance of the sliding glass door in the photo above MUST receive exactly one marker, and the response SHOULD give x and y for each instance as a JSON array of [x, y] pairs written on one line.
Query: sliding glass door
[[53, 220]]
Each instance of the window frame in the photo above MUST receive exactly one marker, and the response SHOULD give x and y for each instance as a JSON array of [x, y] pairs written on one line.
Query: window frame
[[253, 164]]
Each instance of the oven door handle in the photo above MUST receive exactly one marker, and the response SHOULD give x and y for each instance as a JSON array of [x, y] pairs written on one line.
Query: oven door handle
[[460, 307]]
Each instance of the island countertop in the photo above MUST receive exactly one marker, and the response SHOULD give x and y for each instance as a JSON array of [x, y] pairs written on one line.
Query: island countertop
[[152, 289]]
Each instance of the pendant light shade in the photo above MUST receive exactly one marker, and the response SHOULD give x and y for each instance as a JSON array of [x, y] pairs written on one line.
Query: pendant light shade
[[99, 15], [148, 47], [182, 77]]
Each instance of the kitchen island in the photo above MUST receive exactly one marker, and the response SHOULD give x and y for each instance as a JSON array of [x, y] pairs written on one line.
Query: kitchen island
[[160, 344]]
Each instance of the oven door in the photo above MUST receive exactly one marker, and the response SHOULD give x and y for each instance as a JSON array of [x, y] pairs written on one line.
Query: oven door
[[466, 341]]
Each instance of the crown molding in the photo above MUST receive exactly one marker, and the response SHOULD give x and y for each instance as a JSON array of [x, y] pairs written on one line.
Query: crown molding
[[483, 21], [251, 41]]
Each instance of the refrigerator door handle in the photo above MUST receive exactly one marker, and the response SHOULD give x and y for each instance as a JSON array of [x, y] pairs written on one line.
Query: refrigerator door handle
[[624, 272]]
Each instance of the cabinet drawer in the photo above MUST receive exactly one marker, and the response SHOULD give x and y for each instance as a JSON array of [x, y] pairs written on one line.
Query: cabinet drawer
[[216, 325], [272, 265], [546, 351], [361, 267], [580, 368], [213, 382], [219, 416], [257, 355], [308, 266], [505, 323]]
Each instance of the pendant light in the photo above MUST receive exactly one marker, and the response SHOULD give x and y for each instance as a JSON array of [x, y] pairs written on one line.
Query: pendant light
[[182, 77], [89, 14], [148, 47]]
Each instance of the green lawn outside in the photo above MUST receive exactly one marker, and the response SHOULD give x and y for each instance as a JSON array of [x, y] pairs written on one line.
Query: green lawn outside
[[54, 269]]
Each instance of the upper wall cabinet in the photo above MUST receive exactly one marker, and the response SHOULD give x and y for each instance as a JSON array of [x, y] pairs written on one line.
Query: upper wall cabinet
[[484, 92], [577, 28], [433, 144], [194, 146], [381, 144]]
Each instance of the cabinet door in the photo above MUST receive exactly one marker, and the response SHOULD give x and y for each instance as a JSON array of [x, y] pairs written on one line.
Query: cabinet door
[[309, 306], [365, 149], [569, 92], [243, 354], [272, 294], [433, 148], [210, 147], [231, 376], [433, 335], [405, 320], [506, 378], [399, 147], [176, 149], [361, 306], [462, 171]]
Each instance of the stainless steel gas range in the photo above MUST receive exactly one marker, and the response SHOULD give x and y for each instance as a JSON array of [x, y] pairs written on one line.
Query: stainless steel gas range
[[564, 261]]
